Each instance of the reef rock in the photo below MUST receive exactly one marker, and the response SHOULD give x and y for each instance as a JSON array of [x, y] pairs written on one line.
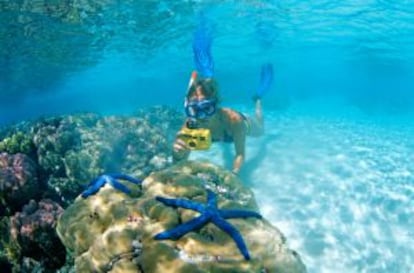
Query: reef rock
[[72, 150], [18, 182], [114, 232], [32, 237]]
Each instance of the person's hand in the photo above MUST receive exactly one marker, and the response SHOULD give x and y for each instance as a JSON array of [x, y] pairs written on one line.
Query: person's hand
[[180, 149]]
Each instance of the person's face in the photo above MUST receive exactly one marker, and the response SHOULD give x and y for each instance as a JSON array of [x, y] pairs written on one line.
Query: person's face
[[199, 106], [198, 95]]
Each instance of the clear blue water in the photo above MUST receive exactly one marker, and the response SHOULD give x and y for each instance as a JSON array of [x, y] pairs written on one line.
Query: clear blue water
[[359, 51], [340, 187], [334, 170]]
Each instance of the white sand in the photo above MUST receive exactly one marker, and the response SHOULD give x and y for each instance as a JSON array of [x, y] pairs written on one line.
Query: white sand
[[339, 186]]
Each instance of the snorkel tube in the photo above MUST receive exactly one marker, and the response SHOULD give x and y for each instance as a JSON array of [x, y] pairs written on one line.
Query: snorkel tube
[[203, 60], [192, 80], [202, 42]]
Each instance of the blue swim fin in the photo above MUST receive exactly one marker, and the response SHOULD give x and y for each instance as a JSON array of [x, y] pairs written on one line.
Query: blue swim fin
[[266, 79], [202, 42]]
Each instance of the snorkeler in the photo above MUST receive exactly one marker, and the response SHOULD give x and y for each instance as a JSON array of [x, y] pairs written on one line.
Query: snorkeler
[[202, 108], [206, 120]]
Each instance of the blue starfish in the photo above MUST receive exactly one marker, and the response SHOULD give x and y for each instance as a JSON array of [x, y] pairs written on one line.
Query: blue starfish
[[209, 213], [101, 180]]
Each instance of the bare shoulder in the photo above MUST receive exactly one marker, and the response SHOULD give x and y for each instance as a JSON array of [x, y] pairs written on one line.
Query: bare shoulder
[[231, 115]]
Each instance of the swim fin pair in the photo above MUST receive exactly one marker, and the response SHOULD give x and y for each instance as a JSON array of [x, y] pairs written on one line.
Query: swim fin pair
[[266, 79]]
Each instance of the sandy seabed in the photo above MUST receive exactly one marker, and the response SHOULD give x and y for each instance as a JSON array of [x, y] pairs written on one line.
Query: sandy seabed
[[339, 185]]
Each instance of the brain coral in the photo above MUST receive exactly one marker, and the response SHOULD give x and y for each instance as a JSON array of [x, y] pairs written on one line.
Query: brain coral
[[113, 232]]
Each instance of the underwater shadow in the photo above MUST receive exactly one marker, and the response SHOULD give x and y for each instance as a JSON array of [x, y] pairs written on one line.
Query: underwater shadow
[[228, 155], [252, 162], [255, 161]]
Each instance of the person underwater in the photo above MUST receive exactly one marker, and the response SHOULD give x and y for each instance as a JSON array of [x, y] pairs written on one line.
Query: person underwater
[[208, 122]]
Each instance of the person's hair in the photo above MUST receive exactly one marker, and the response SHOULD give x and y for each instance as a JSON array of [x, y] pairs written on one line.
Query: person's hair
[[209, 87]]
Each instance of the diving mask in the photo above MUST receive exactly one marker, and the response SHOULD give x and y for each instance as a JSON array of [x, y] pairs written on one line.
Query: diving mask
[[200, 109]]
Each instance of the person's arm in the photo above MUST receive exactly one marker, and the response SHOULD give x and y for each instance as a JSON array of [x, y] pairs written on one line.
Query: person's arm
[[180, 149], [239, 137]]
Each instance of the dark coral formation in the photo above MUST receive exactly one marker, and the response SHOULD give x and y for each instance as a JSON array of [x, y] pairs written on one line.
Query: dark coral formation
[[32, 236], [72, 150], [56, 157], [18, 182]]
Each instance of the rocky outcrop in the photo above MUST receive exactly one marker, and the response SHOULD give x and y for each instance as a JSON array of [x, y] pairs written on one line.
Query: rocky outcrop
[[114, 232], [72, 150], [55, 158], [32, 239], [18, 182]]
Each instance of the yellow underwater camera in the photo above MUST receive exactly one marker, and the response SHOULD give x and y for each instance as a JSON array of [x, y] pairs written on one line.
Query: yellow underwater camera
[[196, 139]]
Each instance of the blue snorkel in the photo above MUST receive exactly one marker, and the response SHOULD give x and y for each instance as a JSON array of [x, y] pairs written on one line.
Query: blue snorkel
[[203, 60], [202, 41]]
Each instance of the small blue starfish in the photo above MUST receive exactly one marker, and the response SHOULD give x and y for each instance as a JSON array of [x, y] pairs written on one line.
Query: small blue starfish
[[101, 180], [209, 213]]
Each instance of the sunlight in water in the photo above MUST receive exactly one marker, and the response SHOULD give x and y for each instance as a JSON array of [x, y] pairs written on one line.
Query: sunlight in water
[[336, 179], [339, 187]]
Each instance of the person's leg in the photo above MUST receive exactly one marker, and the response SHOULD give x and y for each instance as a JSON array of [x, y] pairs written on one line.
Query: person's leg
[[259, 112], [257, 123]]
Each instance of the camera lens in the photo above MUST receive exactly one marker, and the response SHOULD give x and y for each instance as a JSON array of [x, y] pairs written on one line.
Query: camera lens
[[192, 144]]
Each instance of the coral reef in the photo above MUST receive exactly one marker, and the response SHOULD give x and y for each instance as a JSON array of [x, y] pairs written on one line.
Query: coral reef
[[17, 143], [18, 182], [53, 157], [112, 232], [32, 240], [73, 149], [167, 119]]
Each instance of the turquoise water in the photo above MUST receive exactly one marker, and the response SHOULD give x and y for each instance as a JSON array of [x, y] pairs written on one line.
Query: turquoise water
[[78, 57], [340, 187], [334, 171]]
